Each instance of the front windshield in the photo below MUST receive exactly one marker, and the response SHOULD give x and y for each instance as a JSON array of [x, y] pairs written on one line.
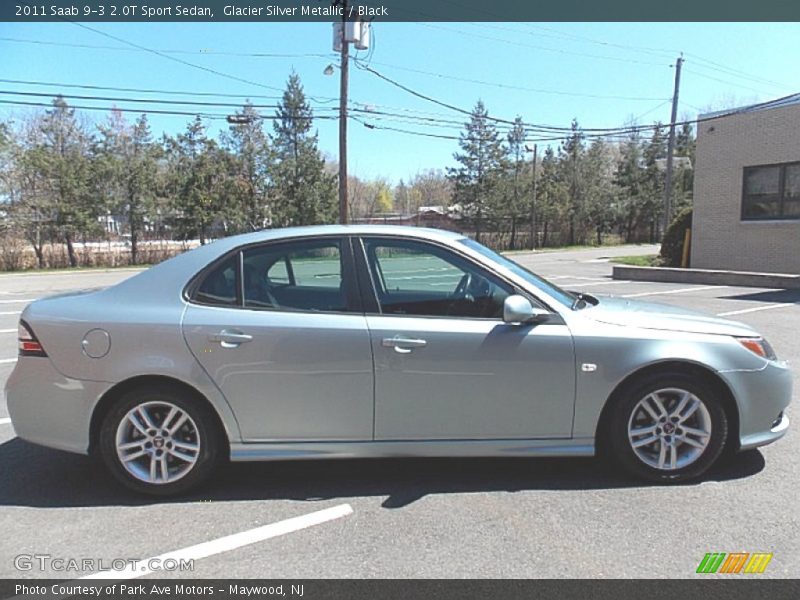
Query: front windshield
[[551, 290]]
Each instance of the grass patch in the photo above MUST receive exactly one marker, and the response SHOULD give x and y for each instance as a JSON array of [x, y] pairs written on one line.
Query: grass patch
[[643, 260]]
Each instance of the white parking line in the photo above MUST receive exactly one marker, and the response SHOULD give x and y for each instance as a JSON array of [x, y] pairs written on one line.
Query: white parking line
[[20, 301], [5, 361], [11, 312], [677, 291], [227, 543], [594, 283], [8, 330], [754, 309], [5, 421]]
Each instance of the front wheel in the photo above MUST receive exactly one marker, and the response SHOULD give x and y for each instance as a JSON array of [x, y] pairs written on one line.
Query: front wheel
[[157, 441], [670, 427]]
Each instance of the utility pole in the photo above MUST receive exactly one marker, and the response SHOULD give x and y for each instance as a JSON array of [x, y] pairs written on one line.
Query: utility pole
[[533, 202], [671, 146], [343, 84]]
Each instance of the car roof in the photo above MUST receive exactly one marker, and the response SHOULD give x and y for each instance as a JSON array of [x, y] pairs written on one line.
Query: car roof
[[167, 279], [351, 229]]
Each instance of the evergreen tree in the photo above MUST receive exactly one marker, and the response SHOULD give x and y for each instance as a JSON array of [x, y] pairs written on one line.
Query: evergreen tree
[[629, 181], [303, 193], [127, 165], [249, 157], [481, 164], [571, 155], [551, 195], [516, 159], [196, 179], [60, 159]]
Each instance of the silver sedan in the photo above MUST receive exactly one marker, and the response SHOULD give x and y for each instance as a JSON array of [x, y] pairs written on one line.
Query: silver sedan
[[371, 341]]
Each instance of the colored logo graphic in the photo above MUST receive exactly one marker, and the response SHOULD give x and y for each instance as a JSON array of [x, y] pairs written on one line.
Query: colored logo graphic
[[735, 562]]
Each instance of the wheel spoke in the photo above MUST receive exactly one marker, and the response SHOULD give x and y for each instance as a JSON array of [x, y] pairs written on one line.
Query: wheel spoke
[[693, 406], [662, 412], [178, 424], [183, 456], [153, 465], [131, 445], [134, 455], [164, 468], [681, 405], [140, 427], [662, 455], [673, 457], [643, 430], [692, 442], [171, 415], [693, 431], [186, 445], [649, 409], [142, 412], [645, 441]]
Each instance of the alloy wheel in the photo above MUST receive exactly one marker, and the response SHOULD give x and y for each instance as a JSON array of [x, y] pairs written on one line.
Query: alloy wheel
[[157, 442], [669, 429]]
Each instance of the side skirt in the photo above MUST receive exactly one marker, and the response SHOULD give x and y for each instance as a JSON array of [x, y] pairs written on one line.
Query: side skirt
[[393, 449]]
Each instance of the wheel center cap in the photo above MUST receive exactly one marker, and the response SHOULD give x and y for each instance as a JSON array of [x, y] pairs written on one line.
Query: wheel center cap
[[669, 428], [158, 442]]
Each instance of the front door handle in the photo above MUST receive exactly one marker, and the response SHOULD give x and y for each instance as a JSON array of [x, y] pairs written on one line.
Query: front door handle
[[230, 339], [403, 345]]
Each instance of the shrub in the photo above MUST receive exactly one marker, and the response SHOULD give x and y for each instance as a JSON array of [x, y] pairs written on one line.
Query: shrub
[[672, 246]]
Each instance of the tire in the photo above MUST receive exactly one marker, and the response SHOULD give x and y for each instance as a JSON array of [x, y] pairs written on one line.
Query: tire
[[691, 428], [157, 428]]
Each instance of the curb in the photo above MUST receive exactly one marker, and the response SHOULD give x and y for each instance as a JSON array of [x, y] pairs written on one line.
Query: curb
[[708, 276]]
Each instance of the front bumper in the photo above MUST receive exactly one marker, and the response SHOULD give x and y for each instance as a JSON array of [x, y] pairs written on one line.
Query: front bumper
[[49, 409], [762, 397]]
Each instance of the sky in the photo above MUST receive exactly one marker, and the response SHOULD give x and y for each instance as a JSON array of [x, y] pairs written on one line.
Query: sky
[[602, 74]]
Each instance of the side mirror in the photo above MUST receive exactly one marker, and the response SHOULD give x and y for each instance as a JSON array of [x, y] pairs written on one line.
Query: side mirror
[[518, 309]]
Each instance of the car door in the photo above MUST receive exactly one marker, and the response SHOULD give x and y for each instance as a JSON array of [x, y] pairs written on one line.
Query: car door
[[277, 327], [446, 365]]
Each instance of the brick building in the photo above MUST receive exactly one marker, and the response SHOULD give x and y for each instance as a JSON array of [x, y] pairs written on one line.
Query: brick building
[[747, 189]]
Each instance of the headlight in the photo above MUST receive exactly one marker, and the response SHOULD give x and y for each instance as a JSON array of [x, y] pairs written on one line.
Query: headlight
[[758, 346]]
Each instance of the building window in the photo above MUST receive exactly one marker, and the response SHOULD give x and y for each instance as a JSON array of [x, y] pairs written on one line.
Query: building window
[[771, 192]]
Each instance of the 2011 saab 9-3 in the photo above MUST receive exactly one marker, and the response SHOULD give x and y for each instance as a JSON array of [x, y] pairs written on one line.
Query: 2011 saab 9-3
[[374, 341]]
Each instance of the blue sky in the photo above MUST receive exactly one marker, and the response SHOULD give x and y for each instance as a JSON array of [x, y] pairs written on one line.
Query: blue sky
[[603, 74]]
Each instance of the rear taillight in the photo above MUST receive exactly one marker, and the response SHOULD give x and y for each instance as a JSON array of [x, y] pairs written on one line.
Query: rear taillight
[[28, 345]]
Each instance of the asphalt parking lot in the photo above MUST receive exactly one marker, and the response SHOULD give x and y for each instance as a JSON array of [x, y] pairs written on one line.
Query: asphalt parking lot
[[520, 518]]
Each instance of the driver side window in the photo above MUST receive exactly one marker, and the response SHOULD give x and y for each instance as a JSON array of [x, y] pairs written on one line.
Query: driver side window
[[415, 278]]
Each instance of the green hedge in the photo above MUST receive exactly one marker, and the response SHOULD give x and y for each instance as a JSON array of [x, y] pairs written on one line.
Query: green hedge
[[672, 246]]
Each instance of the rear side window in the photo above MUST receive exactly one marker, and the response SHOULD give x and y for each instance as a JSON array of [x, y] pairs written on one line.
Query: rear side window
[[220, 284], [295, 276]]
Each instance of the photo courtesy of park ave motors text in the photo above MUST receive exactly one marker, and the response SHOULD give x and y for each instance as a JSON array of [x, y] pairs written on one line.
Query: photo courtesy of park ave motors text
[[321, 297]]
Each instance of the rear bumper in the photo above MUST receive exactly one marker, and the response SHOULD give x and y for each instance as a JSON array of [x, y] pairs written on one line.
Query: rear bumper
[[49, 409]]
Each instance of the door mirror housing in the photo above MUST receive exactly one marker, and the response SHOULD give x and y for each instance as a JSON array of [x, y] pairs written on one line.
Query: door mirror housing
[[518, 309]]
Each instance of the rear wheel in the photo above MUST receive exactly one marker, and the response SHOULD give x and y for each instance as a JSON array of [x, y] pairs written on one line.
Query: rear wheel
[[668, 427], [156, 440]]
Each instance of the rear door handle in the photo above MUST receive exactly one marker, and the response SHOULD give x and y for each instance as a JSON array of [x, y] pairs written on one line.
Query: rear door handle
[[403, 345], [230, 339]]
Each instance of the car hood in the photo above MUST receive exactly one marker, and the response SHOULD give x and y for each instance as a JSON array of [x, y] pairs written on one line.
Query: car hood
[[652, 315]]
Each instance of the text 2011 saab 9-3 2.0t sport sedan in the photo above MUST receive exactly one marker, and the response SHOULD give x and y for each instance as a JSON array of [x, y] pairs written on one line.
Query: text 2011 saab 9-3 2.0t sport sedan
[[372, 341]]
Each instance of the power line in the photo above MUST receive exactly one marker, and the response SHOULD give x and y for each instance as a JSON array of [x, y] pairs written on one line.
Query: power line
[[155, 111], [202, 52], [516, 87], [545, 48]]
